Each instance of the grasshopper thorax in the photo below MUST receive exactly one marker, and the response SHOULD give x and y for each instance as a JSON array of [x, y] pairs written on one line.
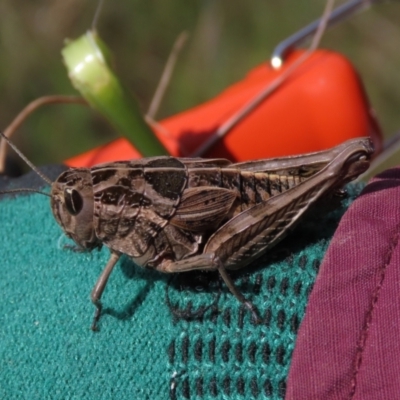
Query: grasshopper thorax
[[72, 206]]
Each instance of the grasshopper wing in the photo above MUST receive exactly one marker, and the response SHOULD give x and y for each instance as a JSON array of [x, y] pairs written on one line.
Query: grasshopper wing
[[252, 232], [203, 208]]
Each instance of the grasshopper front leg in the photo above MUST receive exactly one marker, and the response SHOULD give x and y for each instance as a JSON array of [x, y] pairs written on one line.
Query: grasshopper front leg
[[100, 286]]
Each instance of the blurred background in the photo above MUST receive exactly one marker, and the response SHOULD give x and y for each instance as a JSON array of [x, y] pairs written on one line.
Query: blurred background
[[227, 38]]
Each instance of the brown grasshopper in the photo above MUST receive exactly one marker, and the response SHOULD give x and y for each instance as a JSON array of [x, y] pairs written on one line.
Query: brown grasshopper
[[181, 214]]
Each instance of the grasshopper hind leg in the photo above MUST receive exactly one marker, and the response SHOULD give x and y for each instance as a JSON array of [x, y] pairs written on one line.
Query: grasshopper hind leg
[[236, 292], [210, 262]]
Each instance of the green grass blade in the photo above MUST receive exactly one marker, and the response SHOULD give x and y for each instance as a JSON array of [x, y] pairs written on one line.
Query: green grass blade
[[86, 59]]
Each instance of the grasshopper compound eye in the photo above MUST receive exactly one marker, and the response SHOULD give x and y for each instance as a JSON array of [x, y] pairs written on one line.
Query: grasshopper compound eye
[[72, 204], [73, 201]]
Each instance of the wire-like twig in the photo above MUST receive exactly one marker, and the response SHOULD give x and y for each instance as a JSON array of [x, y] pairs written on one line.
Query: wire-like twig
[[269, 89]]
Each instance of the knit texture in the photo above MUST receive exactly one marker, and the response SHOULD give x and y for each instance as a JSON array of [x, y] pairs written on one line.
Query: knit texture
[[161, 336]]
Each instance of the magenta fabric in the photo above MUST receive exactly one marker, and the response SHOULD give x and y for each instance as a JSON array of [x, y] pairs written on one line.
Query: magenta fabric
[[348, 345]]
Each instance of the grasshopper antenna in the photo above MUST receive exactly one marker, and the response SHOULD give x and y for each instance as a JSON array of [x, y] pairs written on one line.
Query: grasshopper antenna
[[12, 145], [28, 110], [23, 190]]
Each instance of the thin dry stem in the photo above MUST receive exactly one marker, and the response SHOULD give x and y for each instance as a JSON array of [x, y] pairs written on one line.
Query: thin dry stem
[[165, 132], [23, 115], [268, 90], [166, 75], [96, 16]]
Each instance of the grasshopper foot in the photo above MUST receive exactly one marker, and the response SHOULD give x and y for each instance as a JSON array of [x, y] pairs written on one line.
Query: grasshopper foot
[[96, 318], [254, 312], [235, 291]]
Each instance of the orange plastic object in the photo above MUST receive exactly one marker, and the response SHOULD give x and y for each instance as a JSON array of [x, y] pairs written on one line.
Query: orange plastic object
[[321, 105]]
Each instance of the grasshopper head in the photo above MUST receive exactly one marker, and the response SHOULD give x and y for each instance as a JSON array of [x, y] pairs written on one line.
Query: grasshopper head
[[72, 206]]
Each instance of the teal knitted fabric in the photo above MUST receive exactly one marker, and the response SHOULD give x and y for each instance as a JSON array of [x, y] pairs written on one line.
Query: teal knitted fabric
[[161, 337]]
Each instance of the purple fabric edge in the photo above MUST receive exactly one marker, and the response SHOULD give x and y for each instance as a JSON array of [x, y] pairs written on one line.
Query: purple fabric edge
[[329, 352]]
